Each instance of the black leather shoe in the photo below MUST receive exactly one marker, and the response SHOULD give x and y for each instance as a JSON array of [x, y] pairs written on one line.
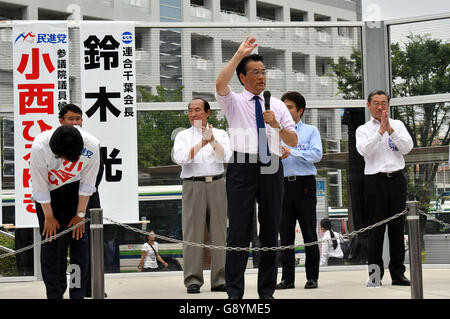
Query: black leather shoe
[[266, 297], [193, 289], [311, 284], [234, 297], [284, 285], [221, 287], [401, 281]]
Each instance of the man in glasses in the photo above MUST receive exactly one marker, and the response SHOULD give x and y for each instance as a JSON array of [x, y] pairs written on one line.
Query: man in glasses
[[383, 142], [255, 172]]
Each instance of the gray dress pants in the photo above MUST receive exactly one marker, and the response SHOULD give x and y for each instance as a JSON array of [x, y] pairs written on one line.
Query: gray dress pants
[[202, 202]]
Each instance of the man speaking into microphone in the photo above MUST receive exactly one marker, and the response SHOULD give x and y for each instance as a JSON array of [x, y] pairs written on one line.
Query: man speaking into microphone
[[255, 172]]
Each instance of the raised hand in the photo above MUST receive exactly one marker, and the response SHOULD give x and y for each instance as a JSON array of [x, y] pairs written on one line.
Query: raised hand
[[247, 46]]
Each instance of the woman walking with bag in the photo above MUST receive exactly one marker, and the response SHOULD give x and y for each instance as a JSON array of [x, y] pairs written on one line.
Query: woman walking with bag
[[331, 248], [150, 255]]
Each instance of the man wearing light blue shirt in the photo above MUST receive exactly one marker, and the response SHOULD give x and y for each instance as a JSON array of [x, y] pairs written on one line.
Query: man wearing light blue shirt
[[300, 194]]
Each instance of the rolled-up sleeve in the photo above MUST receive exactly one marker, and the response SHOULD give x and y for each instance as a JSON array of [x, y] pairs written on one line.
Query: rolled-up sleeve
[[314, 152], [39, 175], [89, 174]]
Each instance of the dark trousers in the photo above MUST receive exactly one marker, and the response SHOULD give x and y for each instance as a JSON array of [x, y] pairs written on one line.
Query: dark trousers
[[64, 202], [385, 197], [245, 184], [299, 204]]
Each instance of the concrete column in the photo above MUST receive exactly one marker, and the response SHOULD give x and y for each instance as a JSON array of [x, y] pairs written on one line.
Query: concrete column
[[250, 10], [31, 12], [375, 60], [186, 64]]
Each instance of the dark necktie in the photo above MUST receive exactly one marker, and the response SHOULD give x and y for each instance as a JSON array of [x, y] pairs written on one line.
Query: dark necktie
[[263, 146]]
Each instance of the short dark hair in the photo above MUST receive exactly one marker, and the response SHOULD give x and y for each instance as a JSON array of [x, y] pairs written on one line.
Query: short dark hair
[[69, 107], [295, 97], [377, 92], [242, 66], [206, 105], [66, 142], [325, 223]]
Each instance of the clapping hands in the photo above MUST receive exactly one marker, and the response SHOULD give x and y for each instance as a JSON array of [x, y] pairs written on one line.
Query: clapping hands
[[384, 126], [207, 133]]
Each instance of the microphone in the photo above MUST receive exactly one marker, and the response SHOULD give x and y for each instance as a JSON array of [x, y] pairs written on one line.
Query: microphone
[[267, 100]]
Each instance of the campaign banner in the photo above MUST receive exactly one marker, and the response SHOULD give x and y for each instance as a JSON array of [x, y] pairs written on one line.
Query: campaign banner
[[41, 87], [108, 101]]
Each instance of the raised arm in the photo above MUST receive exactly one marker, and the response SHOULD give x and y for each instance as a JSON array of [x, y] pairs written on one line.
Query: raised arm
[[226, 74]]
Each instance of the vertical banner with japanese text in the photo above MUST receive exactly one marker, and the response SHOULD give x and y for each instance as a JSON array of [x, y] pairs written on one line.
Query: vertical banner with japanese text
[[41, 86], [108, 101]]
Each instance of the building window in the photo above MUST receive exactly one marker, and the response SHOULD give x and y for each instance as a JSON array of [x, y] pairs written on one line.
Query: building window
[[140, 5]]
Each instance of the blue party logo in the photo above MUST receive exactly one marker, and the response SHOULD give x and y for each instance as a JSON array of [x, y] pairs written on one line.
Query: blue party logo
[[127, 37]]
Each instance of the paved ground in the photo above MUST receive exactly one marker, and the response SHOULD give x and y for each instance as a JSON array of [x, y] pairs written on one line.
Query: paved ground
[[344, 282]]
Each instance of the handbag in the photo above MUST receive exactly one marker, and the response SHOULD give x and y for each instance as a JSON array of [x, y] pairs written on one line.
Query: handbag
[[345, 246]]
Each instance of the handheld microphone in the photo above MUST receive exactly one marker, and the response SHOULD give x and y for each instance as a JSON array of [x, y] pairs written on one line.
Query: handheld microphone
[[267, 100]]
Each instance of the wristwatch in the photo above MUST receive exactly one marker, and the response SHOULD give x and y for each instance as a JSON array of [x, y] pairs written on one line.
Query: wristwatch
[[280, 128], [81, 214]]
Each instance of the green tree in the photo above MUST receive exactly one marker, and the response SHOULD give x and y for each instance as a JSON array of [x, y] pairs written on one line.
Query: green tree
[[7, 265], [157, 129], [423, 67], [349, 75]]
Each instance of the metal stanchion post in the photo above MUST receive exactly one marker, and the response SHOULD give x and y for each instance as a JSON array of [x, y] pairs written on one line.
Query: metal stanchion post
[[415, 261], [97, 263]]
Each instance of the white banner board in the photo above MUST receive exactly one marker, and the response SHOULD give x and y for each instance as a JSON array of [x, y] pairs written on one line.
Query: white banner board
[[108, 101], [41, 86]]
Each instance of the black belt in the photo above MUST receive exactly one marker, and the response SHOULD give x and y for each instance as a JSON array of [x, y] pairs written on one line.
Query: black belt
[[296, 178], [207, 179], [391, 174]]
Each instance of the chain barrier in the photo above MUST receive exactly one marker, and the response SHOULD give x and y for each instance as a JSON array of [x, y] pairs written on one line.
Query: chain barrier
[[433, 218], [253, 248], [45, 240], [202, 245]]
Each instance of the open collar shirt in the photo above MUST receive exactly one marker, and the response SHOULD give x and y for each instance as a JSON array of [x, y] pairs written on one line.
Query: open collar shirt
[[239, 109], [383, 153]]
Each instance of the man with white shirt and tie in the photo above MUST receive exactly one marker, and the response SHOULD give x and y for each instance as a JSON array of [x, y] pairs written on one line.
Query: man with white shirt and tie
[[383, 142], [255, 173], [201, 151]]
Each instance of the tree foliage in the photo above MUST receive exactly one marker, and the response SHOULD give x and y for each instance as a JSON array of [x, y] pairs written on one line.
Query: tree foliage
[[157, 129]]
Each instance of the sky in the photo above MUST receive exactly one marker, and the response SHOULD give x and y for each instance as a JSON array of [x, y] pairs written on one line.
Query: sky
[[396, 9], [376, 10]]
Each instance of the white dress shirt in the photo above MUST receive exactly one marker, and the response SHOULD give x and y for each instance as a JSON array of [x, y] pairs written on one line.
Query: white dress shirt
[[205, 162], [239, 109], [49, 173], [383, 153], [328, 249]]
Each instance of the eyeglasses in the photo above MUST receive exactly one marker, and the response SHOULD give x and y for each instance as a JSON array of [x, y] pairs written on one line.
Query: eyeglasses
[[257, 72], [384, 104]]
